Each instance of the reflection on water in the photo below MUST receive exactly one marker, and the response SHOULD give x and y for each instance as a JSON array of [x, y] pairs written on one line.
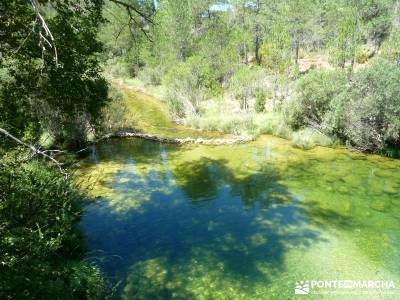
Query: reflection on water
[[239, 222]]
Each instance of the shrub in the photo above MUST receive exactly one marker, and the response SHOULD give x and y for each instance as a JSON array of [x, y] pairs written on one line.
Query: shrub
[[216, 116], [391, 47], [364, 53], [40, 245], [187, 85], [308, 138], [151, 75], [367, 113], [272, 123], [114, 114], [245, 83], [314, 93], [260, 100]]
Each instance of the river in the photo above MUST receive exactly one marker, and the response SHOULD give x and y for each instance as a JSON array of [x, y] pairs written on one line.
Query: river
[[243, 221]]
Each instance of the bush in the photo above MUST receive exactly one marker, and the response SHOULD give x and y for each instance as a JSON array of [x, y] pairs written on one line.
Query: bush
[[187, 85], [391, 47], [219, 116], [151, 75], [364, 53], [40, 245], [261, 97], [115, 113], [314, 94], [308, 138], [367, 113], [245, 83]]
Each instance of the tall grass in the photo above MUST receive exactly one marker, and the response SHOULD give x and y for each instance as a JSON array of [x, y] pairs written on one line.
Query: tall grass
[[223, 116], [308, 138]]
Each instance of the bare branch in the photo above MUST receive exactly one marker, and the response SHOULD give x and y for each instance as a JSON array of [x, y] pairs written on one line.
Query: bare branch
[[45, 35], [36, 150], [132, 19], [131, 8]]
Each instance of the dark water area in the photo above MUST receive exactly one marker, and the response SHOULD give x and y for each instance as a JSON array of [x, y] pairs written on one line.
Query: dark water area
[[240, 222]]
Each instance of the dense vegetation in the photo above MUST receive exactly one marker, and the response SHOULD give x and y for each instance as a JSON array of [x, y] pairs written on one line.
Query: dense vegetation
[[314, 71], [292, 68], [49, 80], [51, 94], [40, 245]]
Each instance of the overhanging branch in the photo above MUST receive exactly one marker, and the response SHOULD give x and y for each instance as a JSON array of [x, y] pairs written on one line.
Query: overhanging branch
[[130, 8], [36, 150], [45, 35]]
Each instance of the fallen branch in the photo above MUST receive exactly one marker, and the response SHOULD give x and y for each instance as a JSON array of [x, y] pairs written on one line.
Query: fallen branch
[[36, 150]]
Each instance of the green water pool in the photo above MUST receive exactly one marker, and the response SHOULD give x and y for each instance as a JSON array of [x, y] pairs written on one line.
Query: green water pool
[[241, 222]]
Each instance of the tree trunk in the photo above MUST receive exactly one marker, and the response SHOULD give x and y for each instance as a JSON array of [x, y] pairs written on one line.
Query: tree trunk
[[296, 53], [246, 57], [350, 74], [257, 46], [274, 94]]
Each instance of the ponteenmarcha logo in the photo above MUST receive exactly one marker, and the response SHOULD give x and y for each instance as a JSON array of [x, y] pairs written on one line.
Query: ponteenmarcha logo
[[302, 287], [306, 287]]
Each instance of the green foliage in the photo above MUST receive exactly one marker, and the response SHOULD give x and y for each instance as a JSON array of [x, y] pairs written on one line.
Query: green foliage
[[352, 23], [215, 116], [314, 93], [364, 53], [345, 19], [245, 84], [151, 75], [115, 113], [391, 47], [51, 90], [188, 83], [40, 245], [308, 138], [126, 37], [261, 97], [376, 19], [64, 96], [276, 51], [367, 112], [201, 54]]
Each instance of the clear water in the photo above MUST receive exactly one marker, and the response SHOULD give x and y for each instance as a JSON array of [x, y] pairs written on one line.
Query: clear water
[[240, 222]]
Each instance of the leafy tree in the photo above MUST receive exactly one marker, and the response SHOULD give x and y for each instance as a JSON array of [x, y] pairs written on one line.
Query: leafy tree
[[376, 19], [345, 23], [260, 100], [367, 112], [245, 84], [299, 19], [391, 47], [314, 93], [276, 56], [186, 86], [126, 33], [51, 76]]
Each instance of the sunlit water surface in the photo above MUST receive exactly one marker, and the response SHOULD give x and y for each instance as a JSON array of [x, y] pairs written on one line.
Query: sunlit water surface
[[240, 222]]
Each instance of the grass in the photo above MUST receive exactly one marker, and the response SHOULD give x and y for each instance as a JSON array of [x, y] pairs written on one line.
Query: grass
[[136, 105], [219, 116], [308, 138], [252, 125]]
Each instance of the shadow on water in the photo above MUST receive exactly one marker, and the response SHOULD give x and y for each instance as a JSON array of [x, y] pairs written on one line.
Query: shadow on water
[[188, 230]]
